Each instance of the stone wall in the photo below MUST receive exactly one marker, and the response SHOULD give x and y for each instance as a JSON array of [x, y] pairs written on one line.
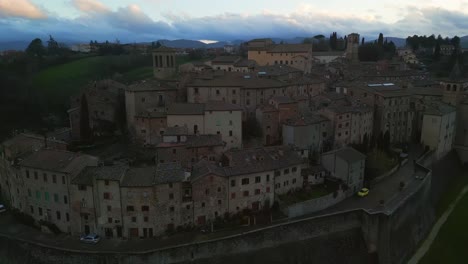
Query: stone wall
[[314, 205]]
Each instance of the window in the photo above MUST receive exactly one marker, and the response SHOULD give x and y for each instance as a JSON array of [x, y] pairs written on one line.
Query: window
[[63, 180], [234, 101], [246, 193], [286, 171], [219, 202], [277, 173], [32, 209], [65, 199], [195, 90], [294, 169], [245, 181], [56, 198], [130, 208], [82, 187], [233, 183], [268, 189], [40, 211], [247, 102], [133, 219], [29, 192], [171, 196], [257, 191], [171, 209], [294, 181], [174, 151], [233, 195], [109, 220], [67, 216], [230, 133], [58, 215], [107, 196], [35, 175], [27, 174], [54, 178], [106, 182], [203, 205], [268, 177], [46, 196], [233, 91], [109, 208], [217, 92], [38, 195], [258, 179], [187, 206], [219, 189], [143, 100], [207, 191], [145, 208]]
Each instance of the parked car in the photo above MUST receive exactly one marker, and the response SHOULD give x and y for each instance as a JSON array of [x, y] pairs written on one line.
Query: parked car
[[90, 239], [363, 192], [2, 208]]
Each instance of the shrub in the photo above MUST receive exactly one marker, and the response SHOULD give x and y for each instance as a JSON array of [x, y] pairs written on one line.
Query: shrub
[[52, 227], [23, 218]]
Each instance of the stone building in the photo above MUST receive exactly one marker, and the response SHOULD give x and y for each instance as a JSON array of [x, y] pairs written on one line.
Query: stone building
[[307, 133], [149, 126], [164, 62], [439, 127], [350, 124], [211, 118], [178, 146], [454, 87], [393, 117], [346, 164], [12, 152], [232, 64], [47, 175], [105, 101], [287, 108], [147, 97], [268, 118], [265, 52]]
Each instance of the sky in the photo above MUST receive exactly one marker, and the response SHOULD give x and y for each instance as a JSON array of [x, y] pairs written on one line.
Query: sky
[[150, 20]]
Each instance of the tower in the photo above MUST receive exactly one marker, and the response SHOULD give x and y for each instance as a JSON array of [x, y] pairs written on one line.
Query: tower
[[352, 48], [454, 87], [164, 63]]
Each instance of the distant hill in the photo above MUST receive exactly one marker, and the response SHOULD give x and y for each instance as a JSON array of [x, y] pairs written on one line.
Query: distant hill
[[399, 42], [191, 44], [14, 45], [464, 42]]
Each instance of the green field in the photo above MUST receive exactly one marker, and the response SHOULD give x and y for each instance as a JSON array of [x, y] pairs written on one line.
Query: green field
[[57, 83], [450, 244]]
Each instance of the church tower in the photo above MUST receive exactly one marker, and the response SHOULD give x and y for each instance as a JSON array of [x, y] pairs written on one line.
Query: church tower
[[352, 48], [164, 62]]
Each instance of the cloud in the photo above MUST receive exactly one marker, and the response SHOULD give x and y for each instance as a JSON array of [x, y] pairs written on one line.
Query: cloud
[[131, 24], [21, 9], [90, 6]]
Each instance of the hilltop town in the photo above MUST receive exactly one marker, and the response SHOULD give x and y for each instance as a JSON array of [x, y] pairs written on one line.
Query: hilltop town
[[233, 141]]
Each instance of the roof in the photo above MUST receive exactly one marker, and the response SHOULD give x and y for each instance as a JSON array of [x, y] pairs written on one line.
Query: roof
[[431, 91], [291, 48], [282, 100], [56, 160], [139, 177], [176, 131], [150, 85], [169, 173], [221, 106], [225, 60], [276, 70], [245, 63], [151, 114], [307, 120], [197, 141], [438, 108], [204, 167], [85, 177], [186, 109], [349, 154], [235, 79]]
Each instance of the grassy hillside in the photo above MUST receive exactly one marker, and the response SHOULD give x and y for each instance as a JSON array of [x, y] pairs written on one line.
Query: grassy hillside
[[57, 83]]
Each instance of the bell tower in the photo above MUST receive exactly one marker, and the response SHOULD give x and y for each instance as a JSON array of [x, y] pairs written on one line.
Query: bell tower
[[352, 48], [164, 62]]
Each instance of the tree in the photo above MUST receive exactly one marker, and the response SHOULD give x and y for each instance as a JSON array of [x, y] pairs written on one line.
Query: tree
[[380, 41], [52, 46], [158, 44], [36, 48], [362, 41], [455, 41], [437, 51], [85, 129]]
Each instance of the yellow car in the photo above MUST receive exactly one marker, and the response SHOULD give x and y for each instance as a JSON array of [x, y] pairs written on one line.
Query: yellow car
[[363, 192]]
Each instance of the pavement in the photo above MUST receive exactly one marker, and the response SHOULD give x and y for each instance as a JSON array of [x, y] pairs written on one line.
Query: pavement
[[387, 189]]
